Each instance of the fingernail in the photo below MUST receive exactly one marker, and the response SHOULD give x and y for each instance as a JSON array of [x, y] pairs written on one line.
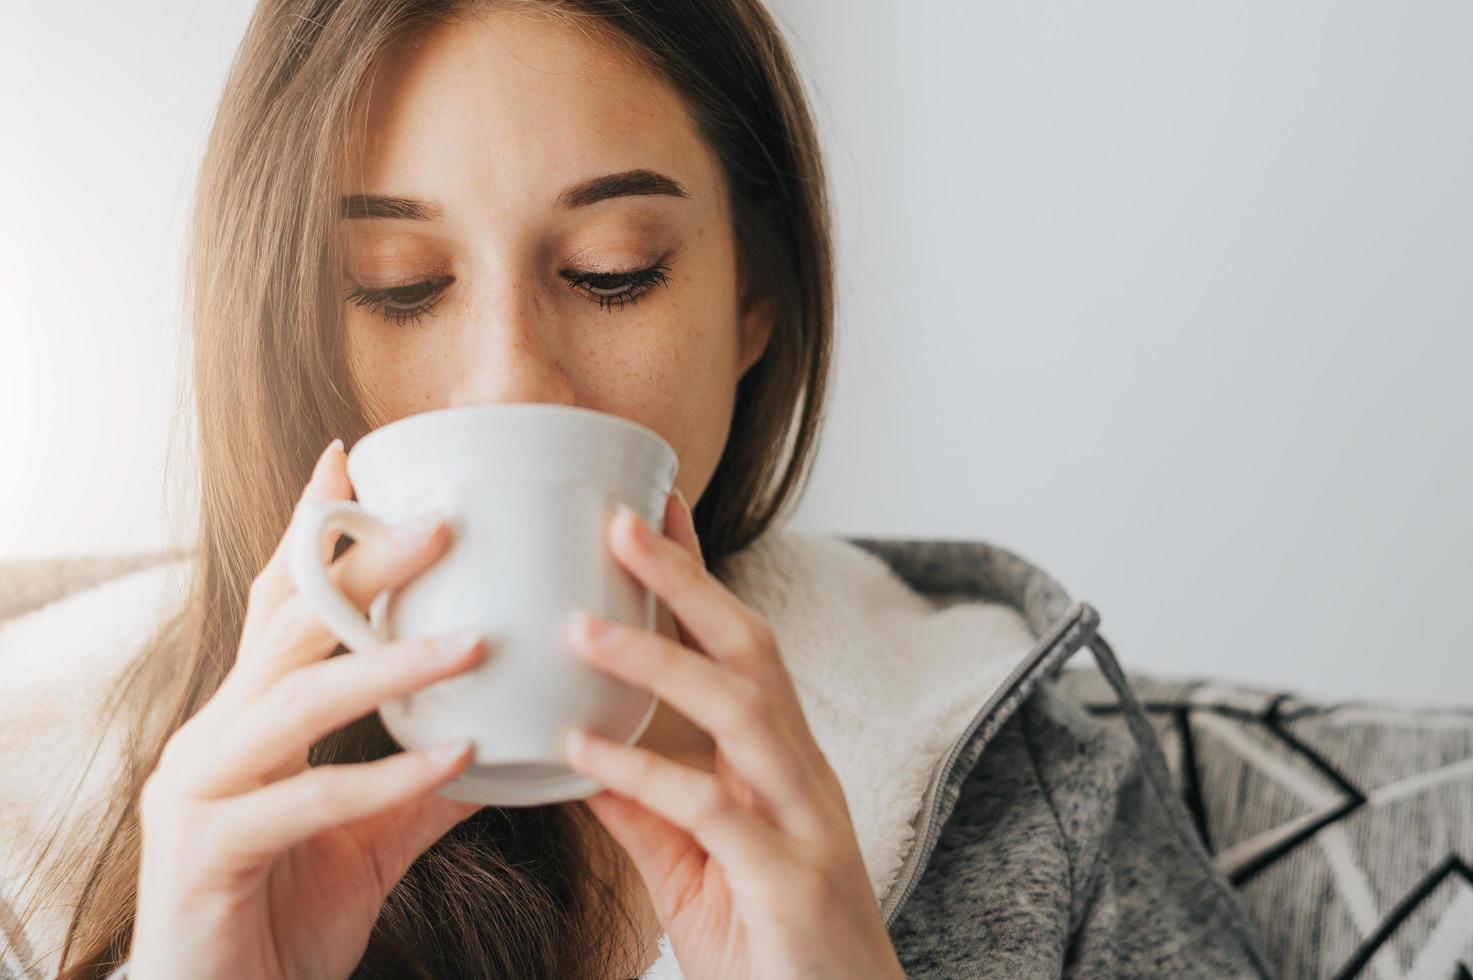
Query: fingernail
[[336, 446], [683, 502], [575, 743], [641, 529], [416, 531], [594, 629], [451, 645], [320, 467], [447, 753]]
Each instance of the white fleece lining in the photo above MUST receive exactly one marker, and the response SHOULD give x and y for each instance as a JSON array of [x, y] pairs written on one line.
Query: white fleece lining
[[887, 680], [56, 663]]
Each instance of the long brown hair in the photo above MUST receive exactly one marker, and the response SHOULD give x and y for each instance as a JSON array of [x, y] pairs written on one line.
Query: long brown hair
[[503, 893]]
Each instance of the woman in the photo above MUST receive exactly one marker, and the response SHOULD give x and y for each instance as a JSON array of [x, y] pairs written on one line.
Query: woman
[[411, 205]]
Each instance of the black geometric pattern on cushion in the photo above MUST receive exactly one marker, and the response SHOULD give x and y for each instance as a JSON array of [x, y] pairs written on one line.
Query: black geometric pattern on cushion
[[1450, 868], [1347, 828]]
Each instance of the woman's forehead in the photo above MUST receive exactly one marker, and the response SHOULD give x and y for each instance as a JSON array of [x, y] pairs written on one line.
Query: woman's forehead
[[518, 107]]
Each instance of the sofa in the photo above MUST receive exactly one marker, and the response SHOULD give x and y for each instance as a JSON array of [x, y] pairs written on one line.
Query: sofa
[[1346, 827]]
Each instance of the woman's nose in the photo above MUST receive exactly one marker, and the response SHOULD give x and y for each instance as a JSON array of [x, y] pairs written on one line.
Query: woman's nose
[[513, 355]]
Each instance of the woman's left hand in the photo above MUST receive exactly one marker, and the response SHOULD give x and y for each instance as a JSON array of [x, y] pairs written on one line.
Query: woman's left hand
[[754, 870]]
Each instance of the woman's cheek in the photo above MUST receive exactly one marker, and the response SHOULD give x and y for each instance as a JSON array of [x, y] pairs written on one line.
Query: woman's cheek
[[396, 369]]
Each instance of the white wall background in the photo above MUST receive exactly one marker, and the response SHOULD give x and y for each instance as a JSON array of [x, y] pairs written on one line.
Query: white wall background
[[104, 111], [1174, 300]]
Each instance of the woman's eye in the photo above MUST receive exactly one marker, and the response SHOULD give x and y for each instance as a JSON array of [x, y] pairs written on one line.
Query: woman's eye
[[402, 304], [610, 289], [408, 305]]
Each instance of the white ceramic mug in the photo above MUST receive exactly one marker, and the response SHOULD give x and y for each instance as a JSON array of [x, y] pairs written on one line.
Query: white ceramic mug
[[527, 490]]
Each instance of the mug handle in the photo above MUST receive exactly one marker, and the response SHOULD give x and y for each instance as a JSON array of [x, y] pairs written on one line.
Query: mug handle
[[310, 524]]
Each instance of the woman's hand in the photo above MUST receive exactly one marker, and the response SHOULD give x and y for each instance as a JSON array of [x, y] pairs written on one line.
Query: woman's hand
[[254, 863], [755, 870]]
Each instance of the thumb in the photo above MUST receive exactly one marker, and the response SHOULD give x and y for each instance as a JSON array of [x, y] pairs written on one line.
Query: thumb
[[330, 482]]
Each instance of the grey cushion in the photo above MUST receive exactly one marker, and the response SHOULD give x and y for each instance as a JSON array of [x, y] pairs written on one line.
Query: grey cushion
[[1347, 827], [30, 583]]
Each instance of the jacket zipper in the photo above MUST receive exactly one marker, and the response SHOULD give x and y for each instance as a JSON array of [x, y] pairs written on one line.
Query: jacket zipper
[[930, 829]]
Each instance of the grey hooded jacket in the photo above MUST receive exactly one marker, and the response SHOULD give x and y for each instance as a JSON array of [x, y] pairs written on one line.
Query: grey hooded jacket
[[1049, 844]]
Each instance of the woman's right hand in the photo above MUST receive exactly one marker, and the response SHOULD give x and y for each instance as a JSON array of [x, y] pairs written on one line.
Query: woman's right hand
[[255, 864]]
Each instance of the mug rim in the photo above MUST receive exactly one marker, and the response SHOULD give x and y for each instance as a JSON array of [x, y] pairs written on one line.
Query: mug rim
[[409, 423]]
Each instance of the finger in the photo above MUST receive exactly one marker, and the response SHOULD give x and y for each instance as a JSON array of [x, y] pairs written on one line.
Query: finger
[[753, 854], [273, 584], [716, 620], [335, 486], [294, 637], [257, 825], [273, 734], [328, 481], [296, 634], [746, 721]]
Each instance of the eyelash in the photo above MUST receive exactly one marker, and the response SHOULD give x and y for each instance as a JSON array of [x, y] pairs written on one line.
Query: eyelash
[[638, 281]]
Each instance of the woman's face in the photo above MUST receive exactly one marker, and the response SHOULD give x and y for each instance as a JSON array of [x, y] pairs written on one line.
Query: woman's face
[[520, 265]]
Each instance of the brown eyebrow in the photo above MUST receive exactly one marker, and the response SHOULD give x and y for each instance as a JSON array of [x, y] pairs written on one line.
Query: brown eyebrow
[[355, 206], [630, 183]]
